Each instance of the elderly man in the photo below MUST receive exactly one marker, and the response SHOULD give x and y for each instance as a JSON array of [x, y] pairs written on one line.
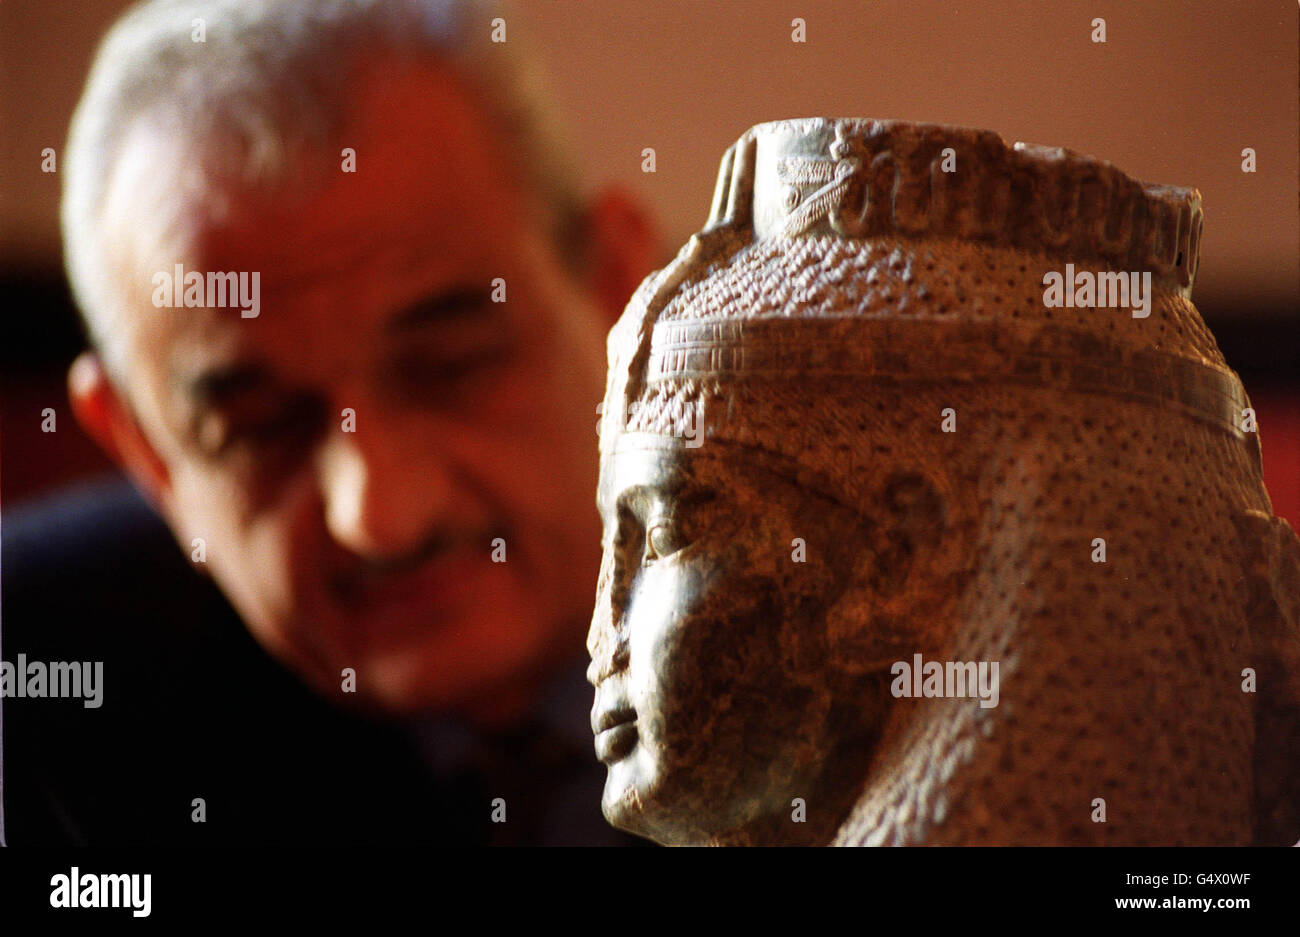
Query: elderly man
[[347, 316]]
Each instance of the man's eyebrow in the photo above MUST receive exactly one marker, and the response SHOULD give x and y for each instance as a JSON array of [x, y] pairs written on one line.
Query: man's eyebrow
[[445, 305], [224, 383]]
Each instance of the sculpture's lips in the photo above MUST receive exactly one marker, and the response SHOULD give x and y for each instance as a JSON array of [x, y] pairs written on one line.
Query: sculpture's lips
[[614, 743], [609, 718], [615, 729]]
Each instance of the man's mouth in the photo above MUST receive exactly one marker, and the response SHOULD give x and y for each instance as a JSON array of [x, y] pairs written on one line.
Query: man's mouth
[[413, 597], [434, 575], [436, 565]]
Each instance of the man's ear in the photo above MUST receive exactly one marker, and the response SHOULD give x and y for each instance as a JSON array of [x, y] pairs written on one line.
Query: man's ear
[[107, 419], [623, 247]]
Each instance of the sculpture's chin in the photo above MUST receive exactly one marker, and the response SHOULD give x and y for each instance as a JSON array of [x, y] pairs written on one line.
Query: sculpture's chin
[[620, 817], [621, 802], [628, 803]]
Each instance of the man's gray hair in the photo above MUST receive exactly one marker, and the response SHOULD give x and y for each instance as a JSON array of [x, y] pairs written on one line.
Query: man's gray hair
[[270, 81]]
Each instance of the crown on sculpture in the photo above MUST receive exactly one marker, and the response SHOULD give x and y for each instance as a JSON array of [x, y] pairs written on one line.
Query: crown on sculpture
[[885, 251]]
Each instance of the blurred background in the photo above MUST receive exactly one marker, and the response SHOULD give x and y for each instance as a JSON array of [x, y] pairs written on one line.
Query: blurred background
[[1177, 91]]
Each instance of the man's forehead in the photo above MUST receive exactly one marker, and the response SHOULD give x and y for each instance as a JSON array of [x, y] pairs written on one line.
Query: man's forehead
[[412, 218], [413, 148], [206, 342]]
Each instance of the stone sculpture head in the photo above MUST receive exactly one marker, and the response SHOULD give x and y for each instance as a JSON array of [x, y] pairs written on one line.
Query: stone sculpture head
[[845, 427]]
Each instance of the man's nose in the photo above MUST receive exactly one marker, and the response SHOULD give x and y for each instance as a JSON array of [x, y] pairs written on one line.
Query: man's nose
[[381, 498]]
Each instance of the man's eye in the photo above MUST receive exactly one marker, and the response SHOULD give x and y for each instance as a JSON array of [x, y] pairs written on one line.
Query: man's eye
[[293, 423], [301, 420], [427, 371]]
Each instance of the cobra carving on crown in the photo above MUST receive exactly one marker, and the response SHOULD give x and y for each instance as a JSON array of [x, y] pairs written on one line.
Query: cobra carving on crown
[[845, 437]]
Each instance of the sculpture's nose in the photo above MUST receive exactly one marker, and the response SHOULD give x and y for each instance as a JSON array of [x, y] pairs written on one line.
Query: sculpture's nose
[[605, 664], [606, 644]]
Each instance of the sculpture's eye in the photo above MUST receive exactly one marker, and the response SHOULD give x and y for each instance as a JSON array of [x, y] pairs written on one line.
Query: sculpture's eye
[[660, 541]]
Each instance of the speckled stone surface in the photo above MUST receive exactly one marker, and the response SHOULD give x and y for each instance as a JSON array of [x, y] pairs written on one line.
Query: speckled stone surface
[[843, 428]]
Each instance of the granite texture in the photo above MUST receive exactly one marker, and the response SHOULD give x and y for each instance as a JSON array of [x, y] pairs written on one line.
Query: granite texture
[[843, 427]]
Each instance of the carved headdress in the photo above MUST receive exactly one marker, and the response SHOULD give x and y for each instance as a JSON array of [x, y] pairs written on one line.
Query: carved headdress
[[875, 296]]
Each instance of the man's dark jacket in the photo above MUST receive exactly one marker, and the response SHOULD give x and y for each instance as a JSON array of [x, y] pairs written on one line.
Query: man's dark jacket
[[193, 708]]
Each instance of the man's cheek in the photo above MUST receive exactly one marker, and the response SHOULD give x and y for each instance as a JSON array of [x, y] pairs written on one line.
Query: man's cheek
[[520, 396], [261, 558], [202, 524]]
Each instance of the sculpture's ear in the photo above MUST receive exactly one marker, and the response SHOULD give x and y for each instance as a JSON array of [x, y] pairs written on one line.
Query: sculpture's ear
[[891, 596], [912, 520]]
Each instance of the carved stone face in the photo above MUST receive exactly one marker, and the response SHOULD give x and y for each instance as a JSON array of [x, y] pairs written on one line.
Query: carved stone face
[[713, 708]]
